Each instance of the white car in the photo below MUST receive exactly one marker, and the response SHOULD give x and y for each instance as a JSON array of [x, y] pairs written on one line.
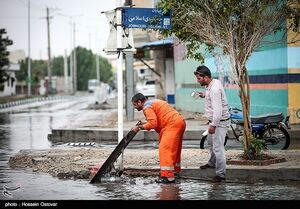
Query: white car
[[93, 84], [147, 88]]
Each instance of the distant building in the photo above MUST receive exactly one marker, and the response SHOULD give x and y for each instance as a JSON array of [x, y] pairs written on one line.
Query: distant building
[[8, 88], [16, 56]]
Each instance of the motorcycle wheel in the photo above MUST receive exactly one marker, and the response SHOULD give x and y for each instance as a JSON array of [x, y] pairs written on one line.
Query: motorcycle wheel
[[204, 144], [276, 138]]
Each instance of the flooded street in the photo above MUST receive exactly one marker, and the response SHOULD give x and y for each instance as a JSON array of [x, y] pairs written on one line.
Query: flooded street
[[28, 129]]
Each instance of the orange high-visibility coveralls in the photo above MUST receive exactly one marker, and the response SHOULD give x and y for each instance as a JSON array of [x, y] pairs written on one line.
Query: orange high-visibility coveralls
[[170, 125]]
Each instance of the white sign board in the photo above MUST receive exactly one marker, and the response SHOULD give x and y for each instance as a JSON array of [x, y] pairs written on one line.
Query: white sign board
[[127, 36]]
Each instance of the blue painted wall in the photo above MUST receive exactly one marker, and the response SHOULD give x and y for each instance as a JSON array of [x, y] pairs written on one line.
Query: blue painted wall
[[272, 62]]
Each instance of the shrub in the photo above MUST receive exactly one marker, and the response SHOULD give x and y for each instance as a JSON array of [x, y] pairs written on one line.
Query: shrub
[[255, 150]]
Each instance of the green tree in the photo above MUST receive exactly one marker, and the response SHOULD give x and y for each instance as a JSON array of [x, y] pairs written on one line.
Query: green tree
[[22, 73], [4, 62], [58, 66], [86, 68], [237, 28], [38, 71], [105, 70], [85, 63]]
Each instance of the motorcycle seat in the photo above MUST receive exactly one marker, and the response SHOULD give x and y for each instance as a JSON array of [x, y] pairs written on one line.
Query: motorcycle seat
[[267, 118]]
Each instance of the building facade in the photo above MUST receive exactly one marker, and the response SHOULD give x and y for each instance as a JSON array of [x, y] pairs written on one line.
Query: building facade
[[8, 88], [274, 72]]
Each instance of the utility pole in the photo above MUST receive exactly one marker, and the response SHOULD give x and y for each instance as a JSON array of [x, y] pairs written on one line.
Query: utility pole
[[130, 85], [97, 68], [66, 77], [90, 41], [75, 61], [29, 59], [71, 57], [120, 75], [120, 78], [49, 55], [97, 59], [73, 52]]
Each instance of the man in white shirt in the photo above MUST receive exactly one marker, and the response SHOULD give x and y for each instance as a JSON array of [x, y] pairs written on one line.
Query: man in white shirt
[[216, 111]]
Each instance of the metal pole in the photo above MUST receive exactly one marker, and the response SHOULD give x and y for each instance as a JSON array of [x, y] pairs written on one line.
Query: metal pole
[[90, 41], [71, 57], [120, 81], [120, 75], [72, 53], [66, 78], [97, 68], [49, 55], [130, 86], [75, 64], [29, 59]]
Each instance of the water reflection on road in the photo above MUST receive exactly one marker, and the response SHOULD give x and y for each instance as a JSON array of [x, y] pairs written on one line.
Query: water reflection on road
[[45, 187], [28, 129]]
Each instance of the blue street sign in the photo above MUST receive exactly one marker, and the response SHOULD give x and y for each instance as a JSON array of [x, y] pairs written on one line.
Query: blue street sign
[[152, 18]]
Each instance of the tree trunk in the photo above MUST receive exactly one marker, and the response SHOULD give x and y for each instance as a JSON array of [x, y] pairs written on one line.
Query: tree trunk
[[245, 100]]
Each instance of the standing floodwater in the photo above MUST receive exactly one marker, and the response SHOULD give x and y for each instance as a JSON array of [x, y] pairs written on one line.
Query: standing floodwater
[[28, 129]]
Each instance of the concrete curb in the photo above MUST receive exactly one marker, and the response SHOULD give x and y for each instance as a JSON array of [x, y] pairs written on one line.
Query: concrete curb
[[239, 174], [247, 174], [28, 101], [98, 136], [101, 135]]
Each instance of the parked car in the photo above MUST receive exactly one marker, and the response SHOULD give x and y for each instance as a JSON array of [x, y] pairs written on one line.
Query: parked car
[[147, 88]]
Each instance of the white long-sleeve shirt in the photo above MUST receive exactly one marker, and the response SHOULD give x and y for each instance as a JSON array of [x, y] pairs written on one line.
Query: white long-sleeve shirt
[[216, 105]]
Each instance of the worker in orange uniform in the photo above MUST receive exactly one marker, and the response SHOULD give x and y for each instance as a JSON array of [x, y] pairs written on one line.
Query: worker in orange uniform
[[170, 126]]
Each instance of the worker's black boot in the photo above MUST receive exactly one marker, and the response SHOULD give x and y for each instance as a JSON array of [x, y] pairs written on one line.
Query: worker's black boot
[[165, 180]]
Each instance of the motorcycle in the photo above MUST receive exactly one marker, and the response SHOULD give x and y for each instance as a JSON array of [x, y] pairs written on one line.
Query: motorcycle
[[272, 128]]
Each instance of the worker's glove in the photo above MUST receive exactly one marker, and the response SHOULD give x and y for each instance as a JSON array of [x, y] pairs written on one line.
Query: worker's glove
[[135, 129], [139, 123]]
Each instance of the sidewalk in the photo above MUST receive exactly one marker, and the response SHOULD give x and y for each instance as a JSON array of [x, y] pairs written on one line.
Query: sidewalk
[[94, 129], [144, 161], [75, 163]]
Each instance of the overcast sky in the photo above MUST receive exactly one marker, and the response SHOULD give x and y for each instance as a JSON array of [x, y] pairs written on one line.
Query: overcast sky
[[91, 26]]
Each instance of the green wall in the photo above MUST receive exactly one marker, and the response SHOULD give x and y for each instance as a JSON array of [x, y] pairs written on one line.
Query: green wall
[[261, 101], [268, 62], [185, 102]]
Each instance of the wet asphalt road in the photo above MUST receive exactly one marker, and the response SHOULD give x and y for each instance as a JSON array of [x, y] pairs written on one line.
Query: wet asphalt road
[[28, 129]]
